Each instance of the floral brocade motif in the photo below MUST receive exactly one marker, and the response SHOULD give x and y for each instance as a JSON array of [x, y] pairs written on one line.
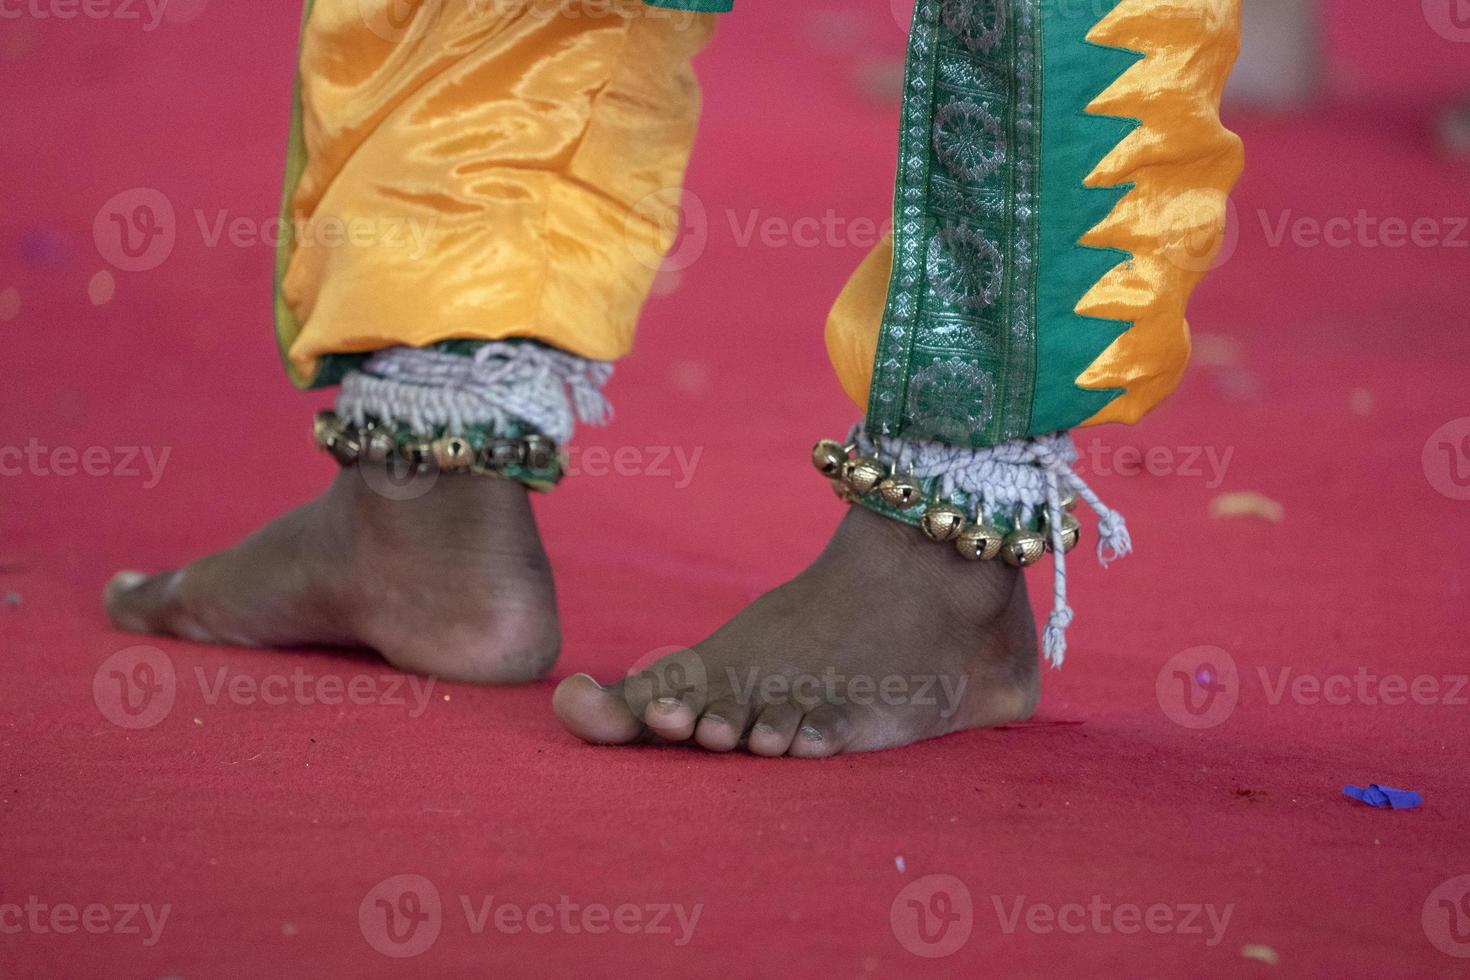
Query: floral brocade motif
[[955, 359]]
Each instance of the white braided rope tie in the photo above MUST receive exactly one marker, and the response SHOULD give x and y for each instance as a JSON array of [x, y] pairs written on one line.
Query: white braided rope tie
[[1023, 477], [500, 385]]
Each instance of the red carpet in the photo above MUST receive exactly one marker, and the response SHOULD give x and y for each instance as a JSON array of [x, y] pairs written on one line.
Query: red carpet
[[1094, 842]]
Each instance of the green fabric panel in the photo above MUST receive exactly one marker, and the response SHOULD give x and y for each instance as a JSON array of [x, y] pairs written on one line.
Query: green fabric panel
[[1073, 141], [704, 6], [287, 326], [955, 360]]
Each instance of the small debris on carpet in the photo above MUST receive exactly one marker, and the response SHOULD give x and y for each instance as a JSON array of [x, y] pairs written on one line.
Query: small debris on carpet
[[1265, 954], [1247, 503], [1384, 797], [898, 863], [12, 599], [1360, 402]]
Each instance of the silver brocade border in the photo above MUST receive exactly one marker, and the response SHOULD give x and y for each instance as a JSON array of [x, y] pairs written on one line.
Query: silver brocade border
[[895, 341], [902, 325]]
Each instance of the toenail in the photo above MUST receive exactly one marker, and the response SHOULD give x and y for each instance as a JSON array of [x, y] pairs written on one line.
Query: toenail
[[593, 680], [125, 581], [811, 733], [763, 728], [667, 704]]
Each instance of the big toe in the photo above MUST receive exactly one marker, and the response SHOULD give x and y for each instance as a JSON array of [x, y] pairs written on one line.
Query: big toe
[[594, 713], [142, 603]]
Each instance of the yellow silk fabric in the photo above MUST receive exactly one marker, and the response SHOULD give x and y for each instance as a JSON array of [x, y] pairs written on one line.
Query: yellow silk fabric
[[486, 171], [1183, 163]]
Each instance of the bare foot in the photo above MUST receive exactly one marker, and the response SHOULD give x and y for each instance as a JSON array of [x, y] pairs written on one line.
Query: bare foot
[[886, 639], [452, 582]]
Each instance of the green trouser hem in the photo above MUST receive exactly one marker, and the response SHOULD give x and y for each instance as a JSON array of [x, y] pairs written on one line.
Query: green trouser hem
[[701, 6], [980, 342]]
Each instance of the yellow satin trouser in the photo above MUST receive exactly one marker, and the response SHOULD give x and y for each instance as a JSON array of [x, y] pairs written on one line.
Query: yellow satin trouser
[[510, 169], [485, 171]]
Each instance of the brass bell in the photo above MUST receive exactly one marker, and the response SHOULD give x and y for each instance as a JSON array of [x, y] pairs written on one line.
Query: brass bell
[[980, 542], [840, 488], [863, 474], [540, 452], [346, 446], [901, 492], [378, 444], [1069, 501], [1071, 532], [1022, 547], [828, 457], [325, 428], [943, 522], [417, 452], [453, 454], [502, 454]]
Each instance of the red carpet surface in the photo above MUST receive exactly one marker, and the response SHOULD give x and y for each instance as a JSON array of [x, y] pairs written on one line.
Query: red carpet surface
[[1176, 809]]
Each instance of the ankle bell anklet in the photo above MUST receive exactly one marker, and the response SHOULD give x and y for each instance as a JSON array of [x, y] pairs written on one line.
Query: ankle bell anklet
[[978, 536], [531, 459], [1015, 502]]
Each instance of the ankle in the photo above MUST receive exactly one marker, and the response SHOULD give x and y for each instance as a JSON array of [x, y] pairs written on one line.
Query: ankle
[[892, 555]]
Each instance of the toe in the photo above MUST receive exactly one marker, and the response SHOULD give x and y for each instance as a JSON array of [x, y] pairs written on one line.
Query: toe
[[774, 729], [595, 713], [671, 718], [142, 603], [722, 725], [824, 731]]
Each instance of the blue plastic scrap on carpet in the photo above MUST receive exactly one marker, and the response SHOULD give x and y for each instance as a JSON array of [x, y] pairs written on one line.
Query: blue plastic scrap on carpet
[[1384, 796]]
